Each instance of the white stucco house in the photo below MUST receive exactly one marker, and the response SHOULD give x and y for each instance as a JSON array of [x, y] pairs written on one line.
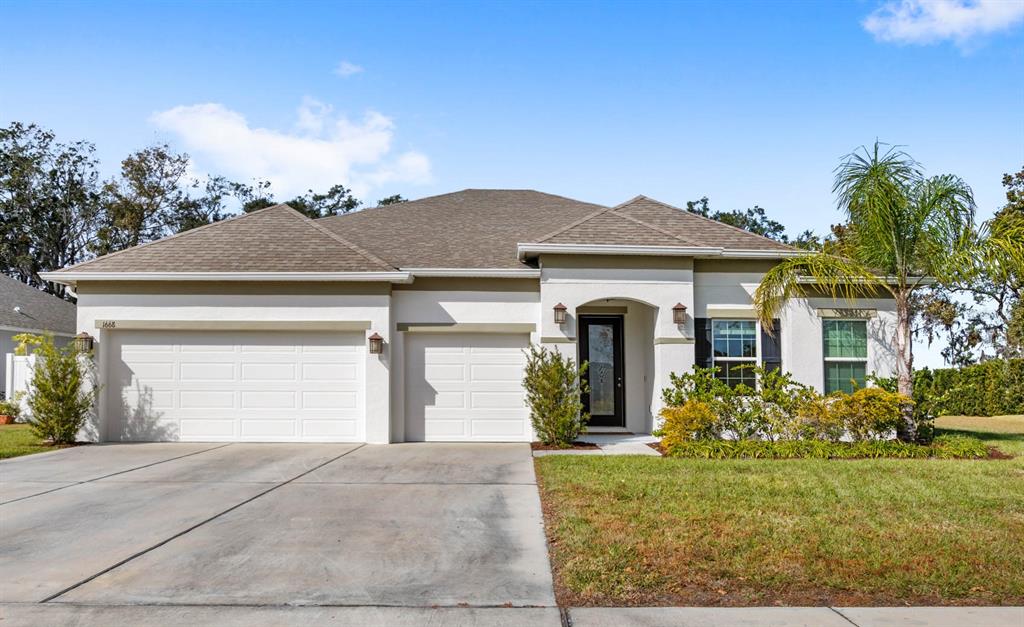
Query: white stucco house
[[264, 327]]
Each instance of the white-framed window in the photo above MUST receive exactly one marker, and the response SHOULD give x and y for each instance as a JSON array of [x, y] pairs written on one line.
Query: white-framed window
[[846, 354], [734, 344]]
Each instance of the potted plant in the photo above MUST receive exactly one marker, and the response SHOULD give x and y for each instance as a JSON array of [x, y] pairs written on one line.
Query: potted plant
[[10, 410]]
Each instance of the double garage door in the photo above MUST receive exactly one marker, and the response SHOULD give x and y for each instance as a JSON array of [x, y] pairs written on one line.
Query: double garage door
[[308, 386], [236, 386]]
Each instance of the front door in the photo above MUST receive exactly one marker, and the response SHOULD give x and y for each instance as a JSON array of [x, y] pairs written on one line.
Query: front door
[[600, 339]]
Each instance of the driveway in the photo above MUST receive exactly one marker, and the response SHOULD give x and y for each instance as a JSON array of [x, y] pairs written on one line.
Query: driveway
[[415, 525]]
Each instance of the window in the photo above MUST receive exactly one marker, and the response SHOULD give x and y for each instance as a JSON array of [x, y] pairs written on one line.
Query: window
[[846, 354], [734, 344]]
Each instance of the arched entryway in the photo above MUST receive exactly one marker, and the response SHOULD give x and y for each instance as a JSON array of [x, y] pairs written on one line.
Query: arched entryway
[[615, 336]]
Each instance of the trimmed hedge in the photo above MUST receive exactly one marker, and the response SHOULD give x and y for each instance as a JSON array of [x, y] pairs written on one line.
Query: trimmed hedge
[[991, 388], [943, 447]]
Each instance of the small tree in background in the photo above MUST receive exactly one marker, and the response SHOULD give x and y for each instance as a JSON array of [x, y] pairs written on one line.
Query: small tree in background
[[62, 391], [554, 388]]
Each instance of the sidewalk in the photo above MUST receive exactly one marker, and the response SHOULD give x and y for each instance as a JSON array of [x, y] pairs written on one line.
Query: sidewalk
[[798, 617], [253, 616]]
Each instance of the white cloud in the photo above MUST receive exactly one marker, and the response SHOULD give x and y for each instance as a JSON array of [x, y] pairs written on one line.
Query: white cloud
[[931, 21], [324, 149], [346, 69]]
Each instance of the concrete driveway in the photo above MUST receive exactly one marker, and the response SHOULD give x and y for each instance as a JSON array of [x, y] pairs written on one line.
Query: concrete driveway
[[414, 525]]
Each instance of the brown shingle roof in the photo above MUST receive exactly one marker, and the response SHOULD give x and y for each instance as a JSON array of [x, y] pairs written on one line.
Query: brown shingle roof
[[37, 310], [474, 228], [275, 239]]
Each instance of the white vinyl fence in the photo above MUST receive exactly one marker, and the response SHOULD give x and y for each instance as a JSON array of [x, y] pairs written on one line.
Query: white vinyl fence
[[19, 373]]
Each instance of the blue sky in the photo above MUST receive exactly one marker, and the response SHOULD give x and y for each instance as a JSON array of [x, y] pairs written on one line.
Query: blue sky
[[747, 103]]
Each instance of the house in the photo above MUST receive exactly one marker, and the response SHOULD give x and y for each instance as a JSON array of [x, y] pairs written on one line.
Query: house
[[268, 326], [25, 309]]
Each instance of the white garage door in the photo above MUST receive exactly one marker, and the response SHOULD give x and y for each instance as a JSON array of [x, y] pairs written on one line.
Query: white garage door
[[465, 387], [244, 386]]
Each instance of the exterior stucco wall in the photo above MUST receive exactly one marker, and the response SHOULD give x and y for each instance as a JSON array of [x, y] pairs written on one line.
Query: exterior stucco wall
[[645, 287]]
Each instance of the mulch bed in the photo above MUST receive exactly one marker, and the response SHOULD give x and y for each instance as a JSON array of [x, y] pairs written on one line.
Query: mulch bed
[[540, 446]]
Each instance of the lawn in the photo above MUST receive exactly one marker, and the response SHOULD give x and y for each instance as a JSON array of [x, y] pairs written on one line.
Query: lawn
[[17, 440], [652, 531]]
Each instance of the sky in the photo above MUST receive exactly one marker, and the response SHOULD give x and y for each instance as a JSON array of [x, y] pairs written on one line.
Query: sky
[[744, 102]]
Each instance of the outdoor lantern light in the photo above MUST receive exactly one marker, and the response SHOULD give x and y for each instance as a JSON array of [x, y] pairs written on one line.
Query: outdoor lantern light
[[376, 344], [560, 310], [679, 313], [83, 342]]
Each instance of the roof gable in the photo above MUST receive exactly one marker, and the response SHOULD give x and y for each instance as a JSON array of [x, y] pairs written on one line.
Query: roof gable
[[37, 310], [275, 239], [699, 230]]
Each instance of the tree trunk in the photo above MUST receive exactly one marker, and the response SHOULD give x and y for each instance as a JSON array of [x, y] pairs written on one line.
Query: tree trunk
[[905, 366]]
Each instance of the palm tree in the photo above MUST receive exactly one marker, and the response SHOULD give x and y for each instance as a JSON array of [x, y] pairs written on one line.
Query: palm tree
[[904, 232]]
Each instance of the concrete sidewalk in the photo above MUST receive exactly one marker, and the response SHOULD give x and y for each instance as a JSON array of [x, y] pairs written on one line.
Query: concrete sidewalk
[[798, 616], [18, 614]]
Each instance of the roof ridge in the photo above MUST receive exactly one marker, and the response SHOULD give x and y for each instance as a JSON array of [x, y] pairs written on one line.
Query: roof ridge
[[657, 228], [574, 224], [240, 216], [341, 240], [707, 219], [468, 189]]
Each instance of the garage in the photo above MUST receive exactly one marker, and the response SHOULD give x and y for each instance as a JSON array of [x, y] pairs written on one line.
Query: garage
[[466, 387], [273, 386]]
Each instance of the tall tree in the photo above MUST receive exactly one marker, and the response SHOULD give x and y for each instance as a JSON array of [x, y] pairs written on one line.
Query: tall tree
[[48, 203], [140, 205], [903, 232], [991, 327]]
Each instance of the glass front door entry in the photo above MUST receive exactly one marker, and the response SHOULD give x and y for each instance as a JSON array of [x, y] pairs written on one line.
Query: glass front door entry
[[600, 342]]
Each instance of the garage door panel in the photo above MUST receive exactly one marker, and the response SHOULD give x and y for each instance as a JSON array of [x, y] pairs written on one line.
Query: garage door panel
[[237, 386], [268, 372], [206, 371], [207, 428], [465, 387]]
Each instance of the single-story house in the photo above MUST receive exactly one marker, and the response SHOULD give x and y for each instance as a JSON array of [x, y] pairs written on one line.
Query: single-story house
[[408, 322], [25, 309]]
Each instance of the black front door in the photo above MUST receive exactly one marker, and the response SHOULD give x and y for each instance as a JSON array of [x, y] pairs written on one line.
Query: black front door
[[600, 339]]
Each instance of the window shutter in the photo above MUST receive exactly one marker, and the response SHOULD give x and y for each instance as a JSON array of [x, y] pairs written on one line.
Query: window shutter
[[702, 342], [771, 348]]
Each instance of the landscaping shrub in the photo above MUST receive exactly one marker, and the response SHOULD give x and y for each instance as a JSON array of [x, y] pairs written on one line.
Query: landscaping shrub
[[61, 392], [991, 388], [694, 420], [554, 389], [944, 447], [869, 413], [781, 409]]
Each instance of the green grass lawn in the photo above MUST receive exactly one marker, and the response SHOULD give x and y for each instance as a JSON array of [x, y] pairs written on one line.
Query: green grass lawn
[[17, 440], [653, 531]]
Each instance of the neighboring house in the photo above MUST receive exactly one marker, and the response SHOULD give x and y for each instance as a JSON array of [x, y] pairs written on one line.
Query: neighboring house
[[261, 327], [24, 309]]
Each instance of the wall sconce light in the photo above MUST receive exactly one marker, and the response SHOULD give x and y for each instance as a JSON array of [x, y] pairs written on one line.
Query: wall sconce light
[[679, 314], [560, 310], [84, 342], [376, 344]]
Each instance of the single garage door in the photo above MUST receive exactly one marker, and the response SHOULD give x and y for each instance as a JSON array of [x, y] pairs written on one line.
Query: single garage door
[[465, 387], [236, 386]]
